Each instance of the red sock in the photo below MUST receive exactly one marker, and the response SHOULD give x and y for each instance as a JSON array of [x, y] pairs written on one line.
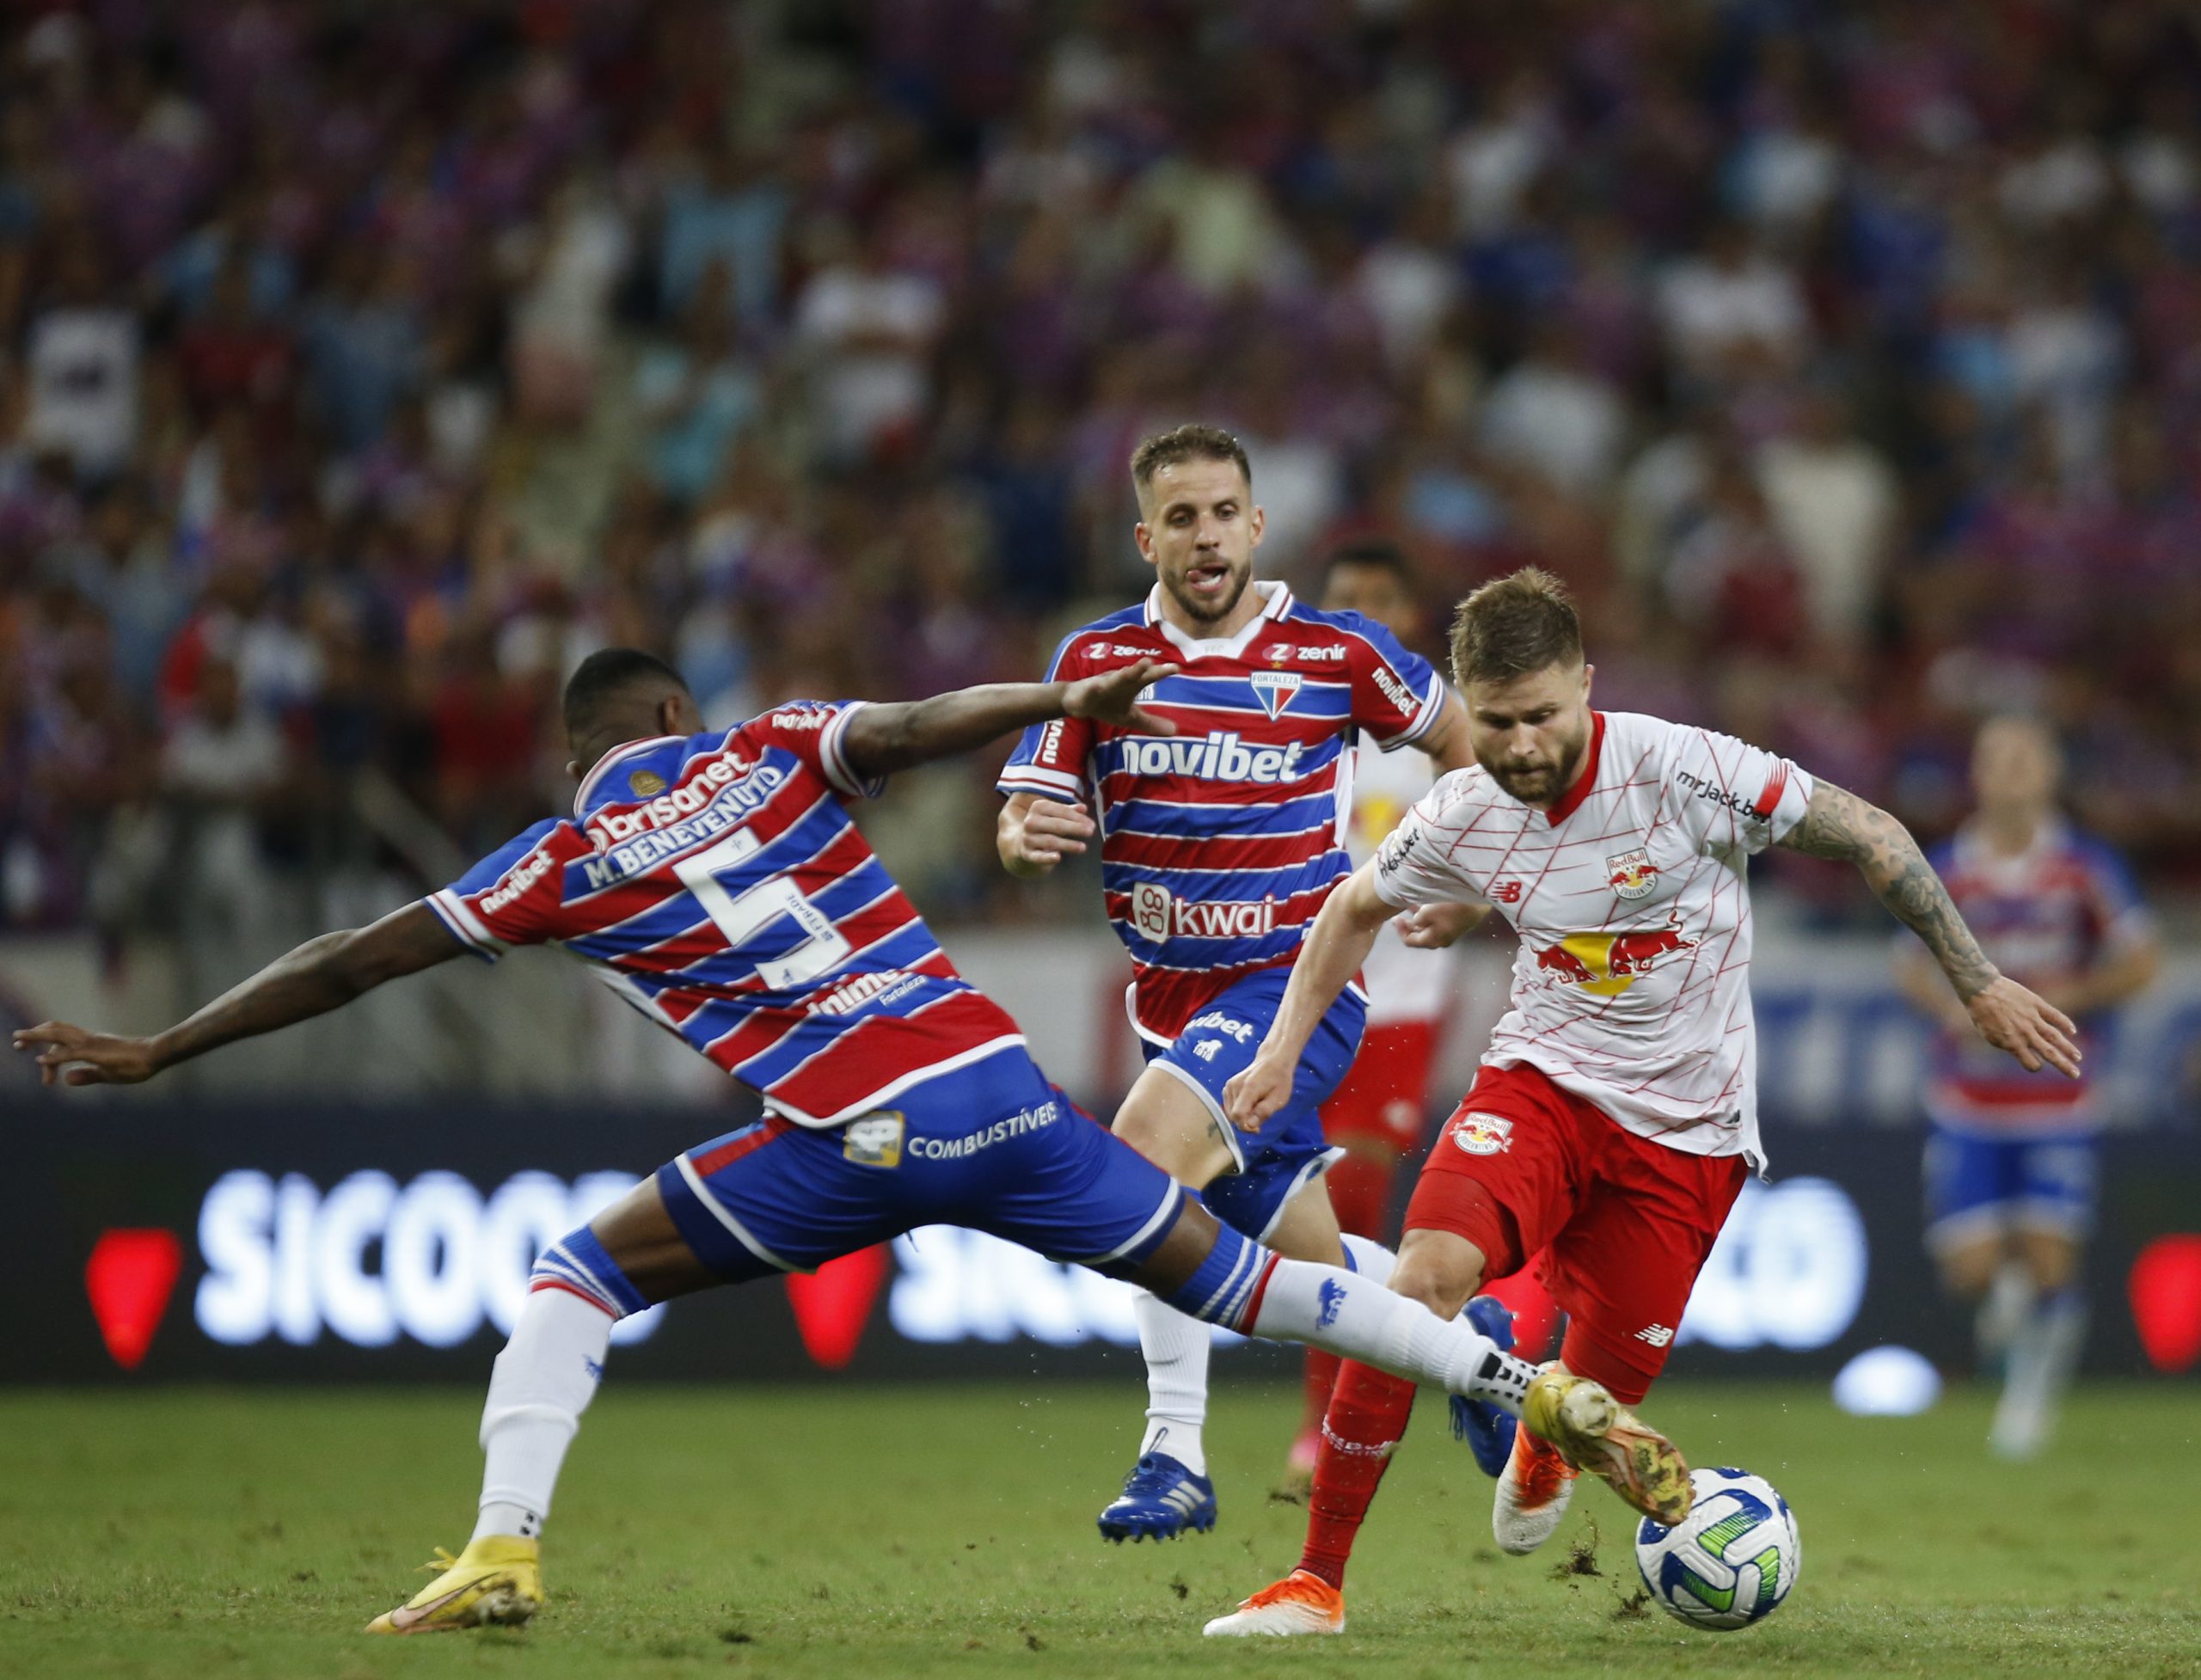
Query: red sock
[[1322, 1378], [1367, 1418], [1360, 1191]]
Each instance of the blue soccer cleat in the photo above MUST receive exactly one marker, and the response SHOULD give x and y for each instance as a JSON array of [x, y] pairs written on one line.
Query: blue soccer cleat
[[1488, 1430], [1161, 1499]]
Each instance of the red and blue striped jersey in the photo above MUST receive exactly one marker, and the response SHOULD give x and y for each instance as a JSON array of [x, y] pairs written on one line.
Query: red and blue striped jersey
[[2048, 914], [1219, 844], [716, 883]]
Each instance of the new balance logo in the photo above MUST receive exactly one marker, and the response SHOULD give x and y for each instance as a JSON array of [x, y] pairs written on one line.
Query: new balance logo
[[1657, 1334], [1506, 892]]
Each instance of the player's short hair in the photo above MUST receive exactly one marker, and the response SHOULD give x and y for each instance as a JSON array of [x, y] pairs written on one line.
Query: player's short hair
[[605, 676], [1514, 625], [1377, 553], [1192, 441]]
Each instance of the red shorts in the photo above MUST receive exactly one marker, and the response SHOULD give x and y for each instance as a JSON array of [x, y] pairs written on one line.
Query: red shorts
[[1385, 1094], [1624, 1223]]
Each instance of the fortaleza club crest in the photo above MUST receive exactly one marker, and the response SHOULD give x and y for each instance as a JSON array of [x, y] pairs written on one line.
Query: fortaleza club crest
[[1483, 1134], [1275, 689], [1632, 874]]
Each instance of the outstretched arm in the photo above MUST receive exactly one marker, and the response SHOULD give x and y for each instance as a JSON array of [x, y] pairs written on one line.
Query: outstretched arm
[[322, 974], [1337, 943], [884, 738], [1838, 825]]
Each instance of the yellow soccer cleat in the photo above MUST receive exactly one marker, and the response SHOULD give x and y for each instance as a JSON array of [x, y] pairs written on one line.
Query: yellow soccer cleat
[[1595, 1433], [495, 1580]]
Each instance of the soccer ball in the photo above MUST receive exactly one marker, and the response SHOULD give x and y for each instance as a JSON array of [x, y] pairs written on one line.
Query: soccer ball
[[1731, 1561]]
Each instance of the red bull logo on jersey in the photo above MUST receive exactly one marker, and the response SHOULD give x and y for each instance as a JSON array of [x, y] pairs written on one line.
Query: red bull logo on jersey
[[1483, 1134], [1608, 963], [1159, 915], [1632, 874], [1219, 756]]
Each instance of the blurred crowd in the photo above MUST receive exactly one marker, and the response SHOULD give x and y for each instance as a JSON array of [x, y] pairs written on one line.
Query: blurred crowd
[[363, 366]]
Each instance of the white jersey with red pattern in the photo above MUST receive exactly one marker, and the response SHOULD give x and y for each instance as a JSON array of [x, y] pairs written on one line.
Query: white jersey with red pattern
[[1631, 987], [2054, 910], [1219, 844], [1403, 984], [716, 883]]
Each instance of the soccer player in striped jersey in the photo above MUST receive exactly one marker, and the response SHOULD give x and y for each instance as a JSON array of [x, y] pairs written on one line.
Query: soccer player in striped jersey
[[714, 878], [1219, 844], [1615, 1115], [2012, 1157]]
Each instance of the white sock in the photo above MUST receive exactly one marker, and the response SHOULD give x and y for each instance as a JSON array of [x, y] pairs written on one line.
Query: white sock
[[1371, 1259], [1176, 1349], [2043, 1355], [543, 1381], [1357, 1317]]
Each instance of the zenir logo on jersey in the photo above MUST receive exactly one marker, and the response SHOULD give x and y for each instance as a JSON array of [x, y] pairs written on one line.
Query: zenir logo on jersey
[[1275, 689]]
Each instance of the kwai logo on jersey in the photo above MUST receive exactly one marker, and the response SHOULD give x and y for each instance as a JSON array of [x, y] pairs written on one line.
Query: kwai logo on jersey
[[1483, 1134], [1220, 755], [1632, 874], [1608, 963], [1274, 689], [1159, 914]]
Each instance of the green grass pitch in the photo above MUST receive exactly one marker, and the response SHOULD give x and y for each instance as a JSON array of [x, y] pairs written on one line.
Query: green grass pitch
[[877, 1533]]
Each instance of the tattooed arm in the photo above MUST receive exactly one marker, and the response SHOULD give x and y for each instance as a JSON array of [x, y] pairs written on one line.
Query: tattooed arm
[[1840, 826]]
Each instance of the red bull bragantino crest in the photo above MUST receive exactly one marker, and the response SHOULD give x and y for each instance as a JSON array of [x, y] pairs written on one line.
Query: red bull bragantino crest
[[1608, 963], [1632, 874]]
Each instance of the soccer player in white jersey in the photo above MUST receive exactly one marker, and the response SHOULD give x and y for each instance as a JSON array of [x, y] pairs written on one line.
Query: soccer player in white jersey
[[1378, 1115], [2012, 1158], [714, 879], [1217, 848], [1615, 1115]]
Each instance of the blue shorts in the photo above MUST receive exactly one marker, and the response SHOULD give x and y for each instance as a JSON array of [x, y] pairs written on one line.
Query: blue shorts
[[1980, 1186], [1219, 1043], [993, 1147]]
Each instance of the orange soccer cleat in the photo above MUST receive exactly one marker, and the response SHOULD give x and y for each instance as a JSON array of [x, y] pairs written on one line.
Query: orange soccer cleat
[[1301, 1603]]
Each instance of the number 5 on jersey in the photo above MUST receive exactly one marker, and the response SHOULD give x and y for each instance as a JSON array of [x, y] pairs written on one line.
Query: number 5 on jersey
[[742, 919]]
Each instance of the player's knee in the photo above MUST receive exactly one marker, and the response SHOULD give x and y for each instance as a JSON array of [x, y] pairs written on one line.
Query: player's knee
[[582, 1265], [1442, 1277], [2051, 1259], [1968, 1269]]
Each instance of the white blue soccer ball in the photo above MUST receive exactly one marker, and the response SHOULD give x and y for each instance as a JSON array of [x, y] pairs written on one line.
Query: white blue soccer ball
[[1731, 1561]]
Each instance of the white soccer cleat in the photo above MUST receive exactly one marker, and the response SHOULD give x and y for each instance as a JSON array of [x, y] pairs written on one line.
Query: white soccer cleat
[[1532, 1495], [1301, 1603]]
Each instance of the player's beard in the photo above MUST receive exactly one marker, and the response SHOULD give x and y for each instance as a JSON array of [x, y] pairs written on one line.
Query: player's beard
[[1203, 609], [1539, 784]]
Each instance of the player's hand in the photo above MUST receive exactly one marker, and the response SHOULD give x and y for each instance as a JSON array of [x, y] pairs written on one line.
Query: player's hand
[[1433, 927], [2011, 1018], [1112, 697], [70, 1056], [1052, 831], [1250, 1097]]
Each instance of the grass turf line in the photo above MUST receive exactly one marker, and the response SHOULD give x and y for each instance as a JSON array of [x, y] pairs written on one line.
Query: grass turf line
[[883, 1532]]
